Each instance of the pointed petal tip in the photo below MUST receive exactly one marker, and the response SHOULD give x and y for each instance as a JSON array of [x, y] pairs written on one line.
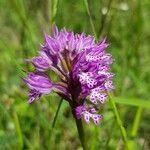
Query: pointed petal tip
[[55, 30]]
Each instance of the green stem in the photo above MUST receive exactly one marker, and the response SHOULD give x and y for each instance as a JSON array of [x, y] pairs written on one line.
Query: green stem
[[135, 126], [119, 122], [81, 132], [18, 130], [90, 17], [56, 115], [136, 122], [54, 10]]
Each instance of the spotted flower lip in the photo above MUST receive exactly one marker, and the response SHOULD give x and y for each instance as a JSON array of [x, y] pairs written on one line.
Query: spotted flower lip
[[83, 69], [87, 113]]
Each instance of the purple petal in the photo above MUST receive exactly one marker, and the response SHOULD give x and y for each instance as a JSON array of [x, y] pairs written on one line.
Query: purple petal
[[52, 44], [33, 95], [55, 31], [39, 83], [40, 63]]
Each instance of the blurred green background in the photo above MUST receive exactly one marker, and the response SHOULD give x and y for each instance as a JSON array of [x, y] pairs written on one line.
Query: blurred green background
[[127, 27]]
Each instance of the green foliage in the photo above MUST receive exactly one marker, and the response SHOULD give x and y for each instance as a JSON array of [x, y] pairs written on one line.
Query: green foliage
[[126, 25]]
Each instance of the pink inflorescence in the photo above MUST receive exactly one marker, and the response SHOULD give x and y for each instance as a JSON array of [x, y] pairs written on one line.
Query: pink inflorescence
[[83, 68]]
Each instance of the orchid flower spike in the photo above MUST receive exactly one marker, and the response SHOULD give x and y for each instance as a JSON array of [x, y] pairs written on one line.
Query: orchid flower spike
[[83, 69]]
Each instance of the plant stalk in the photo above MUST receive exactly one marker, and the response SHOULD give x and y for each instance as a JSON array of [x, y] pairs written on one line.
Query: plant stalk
[[81, 132], [119, 122]]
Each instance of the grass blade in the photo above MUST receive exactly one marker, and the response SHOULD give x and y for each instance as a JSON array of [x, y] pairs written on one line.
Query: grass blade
[[56, 115], [133, 102], [135, 127], [18, 130], [90, 18], [54, 10], [119, 122]]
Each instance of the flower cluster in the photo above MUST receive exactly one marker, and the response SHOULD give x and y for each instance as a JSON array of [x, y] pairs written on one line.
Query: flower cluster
[[83, 68]]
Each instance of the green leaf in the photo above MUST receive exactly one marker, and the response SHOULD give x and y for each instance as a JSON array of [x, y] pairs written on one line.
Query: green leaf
[[133, 102]]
